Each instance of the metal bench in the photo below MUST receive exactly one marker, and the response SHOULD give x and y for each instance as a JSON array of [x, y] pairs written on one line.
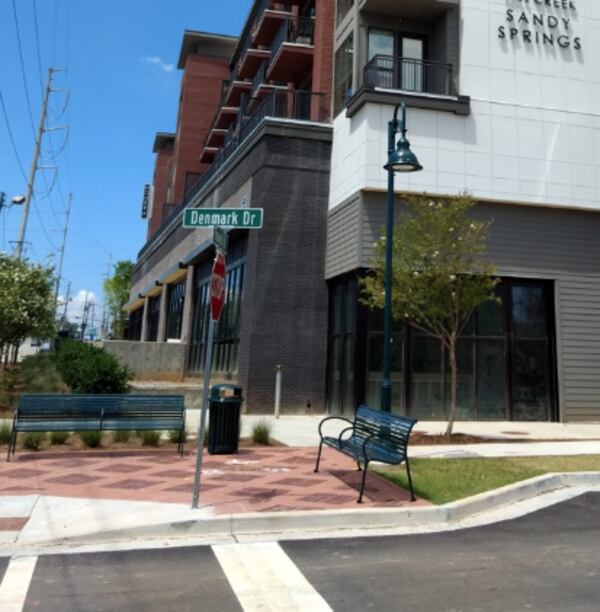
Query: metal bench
[[41, 413], [373, 435]]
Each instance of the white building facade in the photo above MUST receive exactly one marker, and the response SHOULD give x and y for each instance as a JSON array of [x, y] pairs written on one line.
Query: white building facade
[[503, 101]]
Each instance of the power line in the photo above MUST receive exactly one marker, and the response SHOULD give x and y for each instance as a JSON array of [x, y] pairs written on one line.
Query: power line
[[11, 137], [23, 75], [37, 44]]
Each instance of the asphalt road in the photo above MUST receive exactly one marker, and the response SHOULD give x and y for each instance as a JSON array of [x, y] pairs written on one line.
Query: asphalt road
[[549, 560]]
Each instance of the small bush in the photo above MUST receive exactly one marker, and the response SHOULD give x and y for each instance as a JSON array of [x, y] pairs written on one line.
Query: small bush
[[33, 440], [175, 435], [121, 435], [261, 432], [150, 438], [59, 437], [5, 433], [90, 369], [92, 439]]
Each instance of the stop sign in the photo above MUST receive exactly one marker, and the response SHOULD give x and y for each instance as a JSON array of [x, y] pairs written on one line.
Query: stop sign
[[217, 287]]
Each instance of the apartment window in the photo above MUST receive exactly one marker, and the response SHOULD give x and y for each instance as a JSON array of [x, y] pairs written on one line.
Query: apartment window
[[344, 57], [343, 8], [396, 60]]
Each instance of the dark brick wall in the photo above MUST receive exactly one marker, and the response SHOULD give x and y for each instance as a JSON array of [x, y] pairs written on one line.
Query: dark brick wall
[[284, 316], [285, 300], [162, 169]]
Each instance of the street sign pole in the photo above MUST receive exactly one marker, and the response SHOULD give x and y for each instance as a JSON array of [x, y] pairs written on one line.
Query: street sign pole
[[217, 299], [202, 427]]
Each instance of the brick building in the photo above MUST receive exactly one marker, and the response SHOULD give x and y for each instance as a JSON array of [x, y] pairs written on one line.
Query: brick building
[[254, 130], [503, 99]]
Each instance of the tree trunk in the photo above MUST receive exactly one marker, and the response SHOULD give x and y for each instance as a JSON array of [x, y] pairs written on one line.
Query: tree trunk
[[453, 387]]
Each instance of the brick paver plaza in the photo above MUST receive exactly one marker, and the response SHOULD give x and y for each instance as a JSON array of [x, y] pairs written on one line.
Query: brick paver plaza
[[255, 480]]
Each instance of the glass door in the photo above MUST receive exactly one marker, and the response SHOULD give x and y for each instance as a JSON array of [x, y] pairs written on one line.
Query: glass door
[[532, 386], [381, 51], [412, 52]]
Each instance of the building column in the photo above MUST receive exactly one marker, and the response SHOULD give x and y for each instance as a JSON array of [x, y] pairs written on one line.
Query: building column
[[322, 76], [161, 336], [144, 321], [186, 317]]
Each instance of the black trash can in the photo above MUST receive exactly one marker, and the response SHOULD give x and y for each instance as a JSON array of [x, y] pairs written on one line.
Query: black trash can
[[225, 402]]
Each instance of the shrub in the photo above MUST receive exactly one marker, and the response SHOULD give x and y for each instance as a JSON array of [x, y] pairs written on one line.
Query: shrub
[[175, 435], [92, 439], [5, 433], [90, 369], [121, 435], [33, 440], [150, 438], [59, 437], [261, 432]]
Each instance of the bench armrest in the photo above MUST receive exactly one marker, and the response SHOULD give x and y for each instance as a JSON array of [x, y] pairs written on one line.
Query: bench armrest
[[331, 418], [343, 432]]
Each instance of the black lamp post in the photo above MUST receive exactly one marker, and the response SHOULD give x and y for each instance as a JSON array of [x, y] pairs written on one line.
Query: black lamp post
[[400, 159]]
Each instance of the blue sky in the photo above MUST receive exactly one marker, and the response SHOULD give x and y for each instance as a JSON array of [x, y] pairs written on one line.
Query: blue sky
[[121, 58]]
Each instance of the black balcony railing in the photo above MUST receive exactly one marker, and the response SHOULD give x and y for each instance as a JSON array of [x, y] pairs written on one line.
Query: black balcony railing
[[292, 30], [299, 105], [259, 78], [412, 75]]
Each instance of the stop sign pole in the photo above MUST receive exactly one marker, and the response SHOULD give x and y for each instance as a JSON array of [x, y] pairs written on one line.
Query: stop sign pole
[[217, 300]]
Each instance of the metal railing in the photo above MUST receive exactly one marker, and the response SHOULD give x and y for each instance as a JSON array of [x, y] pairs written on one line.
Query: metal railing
[[412, 75], [299, 105], [259, 78], [292, 30]]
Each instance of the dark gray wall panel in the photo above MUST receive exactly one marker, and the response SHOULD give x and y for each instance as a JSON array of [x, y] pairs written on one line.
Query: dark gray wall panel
[[524, 241]]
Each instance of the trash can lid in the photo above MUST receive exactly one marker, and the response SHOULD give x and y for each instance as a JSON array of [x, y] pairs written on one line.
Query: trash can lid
[[224, 392]]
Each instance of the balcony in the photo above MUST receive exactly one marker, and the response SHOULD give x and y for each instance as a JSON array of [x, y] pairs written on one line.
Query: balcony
[[233, 89], [292, 50], [416, 76], [216, 137], [225, 117], [260, 85], [269, 21], [298, 105], [251, 61]]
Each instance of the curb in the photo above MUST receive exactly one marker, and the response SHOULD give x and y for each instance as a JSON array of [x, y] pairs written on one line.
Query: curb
[[233, 525]]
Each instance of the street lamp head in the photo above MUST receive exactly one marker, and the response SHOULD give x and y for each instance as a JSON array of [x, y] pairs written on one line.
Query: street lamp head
[[18, 199], [402, 159]]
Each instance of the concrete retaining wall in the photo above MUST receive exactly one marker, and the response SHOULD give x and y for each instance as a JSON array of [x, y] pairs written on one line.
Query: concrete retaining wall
[[150, 360]]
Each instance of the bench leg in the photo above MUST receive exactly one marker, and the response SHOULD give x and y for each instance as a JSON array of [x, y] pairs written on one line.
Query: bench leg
[[410, 486], [319, 457], [181, 438], [362, 486], [358, 466], [12, 445]]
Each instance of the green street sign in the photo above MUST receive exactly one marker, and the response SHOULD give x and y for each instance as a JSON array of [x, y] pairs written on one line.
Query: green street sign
[[223, 217]]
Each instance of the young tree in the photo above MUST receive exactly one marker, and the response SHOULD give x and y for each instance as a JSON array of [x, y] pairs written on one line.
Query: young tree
[[26, 304], [116, 289], [439, 274]]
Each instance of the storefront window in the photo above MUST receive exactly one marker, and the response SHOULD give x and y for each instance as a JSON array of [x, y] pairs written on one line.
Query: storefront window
[[175, 300], [343, 8]]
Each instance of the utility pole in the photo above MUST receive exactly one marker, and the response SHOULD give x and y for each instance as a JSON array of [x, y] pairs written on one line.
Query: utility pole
[[104, 324], [62, 249], [67, 297], [34, 167]]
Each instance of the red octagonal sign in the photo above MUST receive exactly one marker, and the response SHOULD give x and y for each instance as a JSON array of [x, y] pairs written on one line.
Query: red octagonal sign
[[217, 287]]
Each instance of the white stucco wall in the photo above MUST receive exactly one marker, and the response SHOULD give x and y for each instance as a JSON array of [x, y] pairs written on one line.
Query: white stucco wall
[[533, 135]]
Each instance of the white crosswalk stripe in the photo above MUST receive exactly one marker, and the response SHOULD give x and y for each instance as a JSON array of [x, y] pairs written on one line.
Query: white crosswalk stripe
[[263, 578], [15, 583]]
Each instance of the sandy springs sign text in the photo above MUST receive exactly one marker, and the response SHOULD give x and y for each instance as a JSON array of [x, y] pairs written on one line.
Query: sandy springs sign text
[[530, 21]]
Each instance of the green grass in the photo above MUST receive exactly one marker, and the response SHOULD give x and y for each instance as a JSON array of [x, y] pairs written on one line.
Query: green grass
[[444, 480]]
